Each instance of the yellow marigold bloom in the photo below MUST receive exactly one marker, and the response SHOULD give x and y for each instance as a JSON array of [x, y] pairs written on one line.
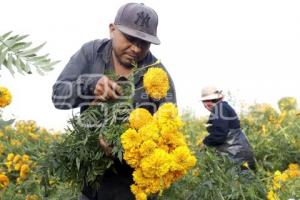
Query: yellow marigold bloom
[[156, 83], [157, 164], [149, 132], [271, 195], [138, 193], [18, 166], [5, 97], [24, 171], [33, 136], [141, 196], [17, 158], [132, 157], [15, 142], [294, 173], [1, 133], [19, 180], [284, 176], [147, 148], [172, 141], [183, 158], [130, 139], [277, 173], [167, 115], [1, 148], [154, 185], [4, 181], [293, 166], [29, 126], [25, 158], [10, 157], [139, 177], [276, 185], [9, 165], [32, 197], [139, 117], [169, 178]]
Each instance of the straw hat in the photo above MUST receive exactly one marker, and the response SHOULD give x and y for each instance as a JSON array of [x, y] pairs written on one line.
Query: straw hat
[[210, 93]]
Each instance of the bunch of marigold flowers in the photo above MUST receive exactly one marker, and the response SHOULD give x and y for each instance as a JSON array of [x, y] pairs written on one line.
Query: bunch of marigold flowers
[[156, 149], [281, 179]]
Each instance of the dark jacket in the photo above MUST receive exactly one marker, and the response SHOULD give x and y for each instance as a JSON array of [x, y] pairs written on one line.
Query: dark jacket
[[226, 135], [74, 88], [75, 85], [221, 120]]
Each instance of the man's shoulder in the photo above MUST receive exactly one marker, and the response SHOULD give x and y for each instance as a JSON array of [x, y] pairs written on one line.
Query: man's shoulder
[[95, 45]]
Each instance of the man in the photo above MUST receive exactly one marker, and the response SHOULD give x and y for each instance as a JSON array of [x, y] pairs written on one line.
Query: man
[[83, 81], [223, 126]]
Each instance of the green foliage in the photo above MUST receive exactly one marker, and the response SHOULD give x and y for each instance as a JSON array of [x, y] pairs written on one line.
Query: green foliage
[[215, 177], [275, 140], [17, 54], [78, 158]]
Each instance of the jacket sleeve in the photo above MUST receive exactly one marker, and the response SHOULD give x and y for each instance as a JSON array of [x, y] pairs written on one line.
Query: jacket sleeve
[[218, 127], [75, 85]]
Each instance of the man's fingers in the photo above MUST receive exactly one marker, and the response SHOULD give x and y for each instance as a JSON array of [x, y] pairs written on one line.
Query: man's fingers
[[104, 146], [116, 88], [107, 89]]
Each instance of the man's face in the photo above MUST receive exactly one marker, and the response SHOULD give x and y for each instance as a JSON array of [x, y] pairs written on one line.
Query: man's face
[[209, 105], [127, 49]]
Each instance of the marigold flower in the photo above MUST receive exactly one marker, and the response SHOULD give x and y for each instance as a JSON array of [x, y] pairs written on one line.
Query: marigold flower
[[24, 171], [138, 193], [132, 157], [157, 164], [147, 148], [25, 158], [156, 83], [149, 132], [293, 166], [18, 166], [183, 158], [5, 97], [167, 117], [271, 195], [17, 158], [4, 181], [139, 117], [130, 139], [10, 157], [32, 197]]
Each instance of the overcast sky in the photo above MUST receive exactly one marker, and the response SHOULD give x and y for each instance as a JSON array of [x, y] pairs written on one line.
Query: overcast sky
[[250, 48]]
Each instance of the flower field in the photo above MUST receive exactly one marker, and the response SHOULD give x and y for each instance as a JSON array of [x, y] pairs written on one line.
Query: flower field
[[274, 136]]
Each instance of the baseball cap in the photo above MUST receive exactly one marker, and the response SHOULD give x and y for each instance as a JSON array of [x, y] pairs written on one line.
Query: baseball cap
[[138, 20], [210, 93]]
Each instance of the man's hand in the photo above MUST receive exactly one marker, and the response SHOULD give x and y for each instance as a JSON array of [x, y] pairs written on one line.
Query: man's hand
[[104, 146], [106, 89]]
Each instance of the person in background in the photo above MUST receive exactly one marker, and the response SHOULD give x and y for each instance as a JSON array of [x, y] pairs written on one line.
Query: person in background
[[83, 81], [224, 129]]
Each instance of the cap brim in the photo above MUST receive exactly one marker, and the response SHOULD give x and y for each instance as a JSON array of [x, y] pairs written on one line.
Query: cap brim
[[211, 97], [139, 34]]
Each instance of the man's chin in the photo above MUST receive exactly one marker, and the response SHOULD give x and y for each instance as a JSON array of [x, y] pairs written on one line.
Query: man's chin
[[128, 64]]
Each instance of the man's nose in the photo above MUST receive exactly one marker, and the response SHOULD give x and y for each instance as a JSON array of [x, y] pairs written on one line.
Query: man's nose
[[136, 47]]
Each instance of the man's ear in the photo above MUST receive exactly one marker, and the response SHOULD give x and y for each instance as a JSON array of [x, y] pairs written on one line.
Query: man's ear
[[112, 29]]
